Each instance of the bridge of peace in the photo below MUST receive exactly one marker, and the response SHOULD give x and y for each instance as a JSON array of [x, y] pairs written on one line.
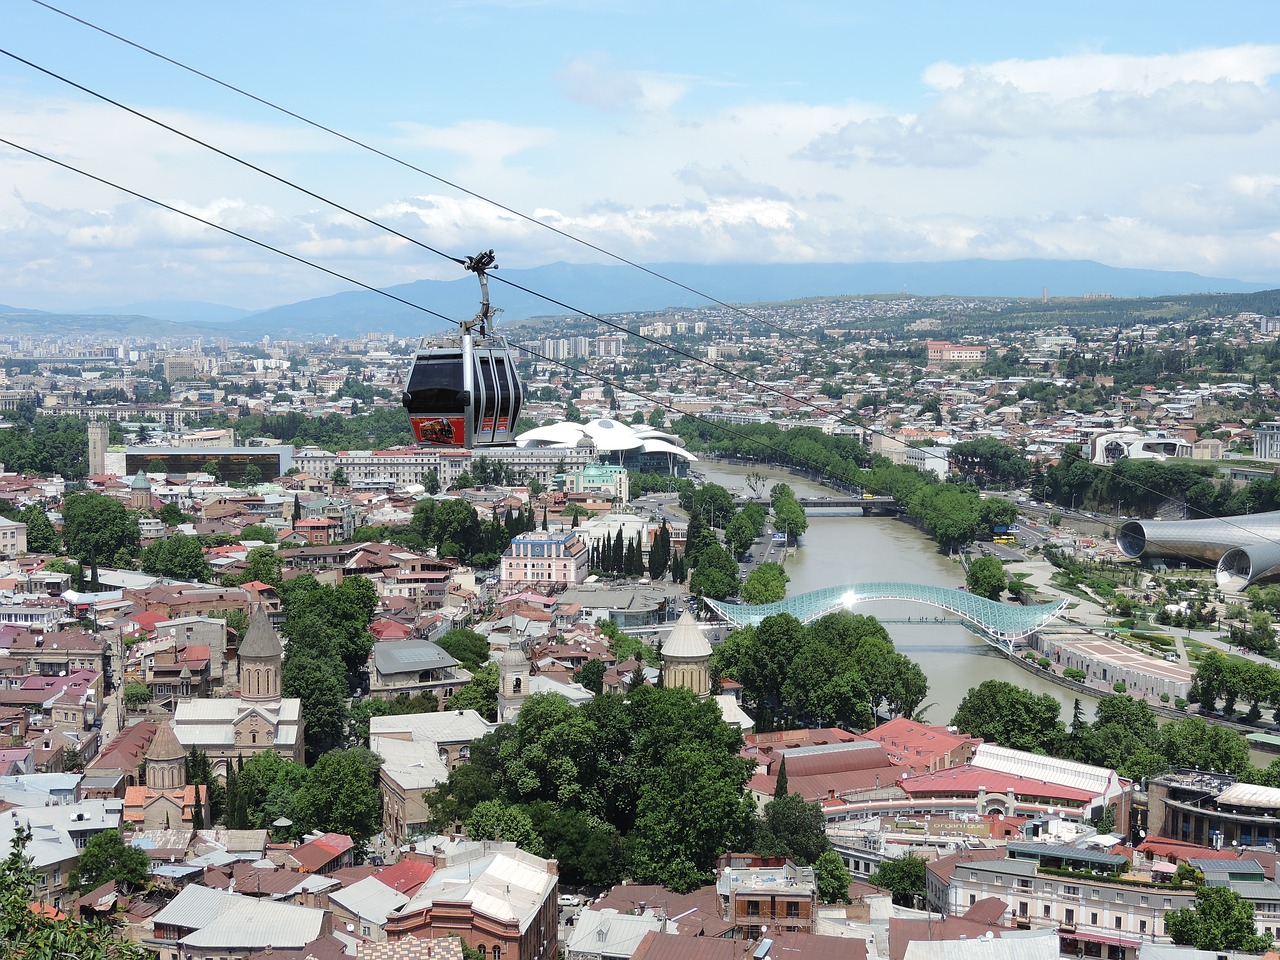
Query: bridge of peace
[[1000, 623]]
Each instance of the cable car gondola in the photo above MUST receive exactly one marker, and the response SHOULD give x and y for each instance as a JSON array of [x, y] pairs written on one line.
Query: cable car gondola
[[463, 391]]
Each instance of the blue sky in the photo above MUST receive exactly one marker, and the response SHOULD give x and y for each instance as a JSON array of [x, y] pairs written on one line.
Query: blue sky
[[1133, 134]]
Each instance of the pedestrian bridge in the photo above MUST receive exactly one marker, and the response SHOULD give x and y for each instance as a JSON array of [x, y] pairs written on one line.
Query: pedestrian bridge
[[1003, 622]]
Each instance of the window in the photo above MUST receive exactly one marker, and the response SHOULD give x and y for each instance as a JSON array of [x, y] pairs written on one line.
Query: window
[[1093, 919], [1117, 923], [1068, 916], [1046, 909], [793, 908], [1142, 926], [753, 908], [1070, 891], [1119, 897], [1022, 908], [497, 952], [480, 950]]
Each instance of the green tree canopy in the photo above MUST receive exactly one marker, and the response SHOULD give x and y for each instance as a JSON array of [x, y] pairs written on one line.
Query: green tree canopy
[[479, 694], [466, 646], [97, 527], [105, 857], [986, 578], [1218, 919], [34, 933], [904, 877], [767, 583], [1000, 712], [41, 536], [832, 878]]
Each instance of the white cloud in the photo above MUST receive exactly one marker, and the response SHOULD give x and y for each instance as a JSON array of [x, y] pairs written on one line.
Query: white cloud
[[594, 82], [1092, 96]]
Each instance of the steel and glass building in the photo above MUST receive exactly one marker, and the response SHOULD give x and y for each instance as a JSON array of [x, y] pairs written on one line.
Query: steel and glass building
[[1244, 549]]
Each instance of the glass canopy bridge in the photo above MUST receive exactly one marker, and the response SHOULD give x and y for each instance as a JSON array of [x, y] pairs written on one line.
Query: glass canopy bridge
[[1000, 623]]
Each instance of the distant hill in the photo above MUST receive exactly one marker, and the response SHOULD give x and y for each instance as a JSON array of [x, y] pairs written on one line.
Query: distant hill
[[598, 288], [177, 311]]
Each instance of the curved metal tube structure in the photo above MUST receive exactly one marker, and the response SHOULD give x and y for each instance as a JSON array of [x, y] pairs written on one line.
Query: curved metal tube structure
[[1243, 549], [1001, 621], [1241, 566]]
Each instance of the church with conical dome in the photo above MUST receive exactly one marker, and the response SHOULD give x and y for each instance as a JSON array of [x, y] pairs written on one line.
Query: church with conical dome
[[686, 657], [256, 721], [167, 801]]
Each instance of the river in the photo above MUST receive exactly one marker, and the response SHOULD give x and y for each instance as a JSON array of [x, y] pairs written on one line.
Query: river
[[845, 550]]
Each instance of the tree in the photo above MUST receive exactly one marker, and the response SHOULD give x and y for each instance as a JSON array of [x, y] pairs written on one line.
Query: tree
[[904, 878], [716, 573], [495, 820], [986, 578], [591, 676], [318, 681], [999, 712], [97, 526], [832, 878], [341, 794], [258, 531], [780, 786], [339, 477], [105, 857], [798, 827], [262, 565], [1218, 919], [466, 646], [38, 933], [179, 557], [41, 536], [135, 695], [480, 694], [767, 583]]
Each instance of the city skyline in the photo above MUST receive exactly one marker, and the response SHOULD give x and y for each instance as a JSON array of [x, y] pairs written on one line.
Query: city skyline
[[708, 134]]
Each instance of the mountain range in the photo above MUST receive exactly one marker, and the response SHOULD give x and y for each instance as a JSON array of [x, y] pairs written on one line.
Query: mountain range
[[595, 288]]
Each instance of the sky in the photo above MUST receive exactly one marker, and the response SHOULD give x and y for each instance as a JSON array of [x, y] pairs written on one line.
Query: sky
[[1137, 135]]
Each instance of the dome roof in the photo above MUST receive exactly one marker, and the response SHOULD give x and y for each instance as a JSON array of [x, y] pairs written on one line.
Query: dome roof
[[260, 640], [686, 640], [165, 745], [661, 446], [608, 436]]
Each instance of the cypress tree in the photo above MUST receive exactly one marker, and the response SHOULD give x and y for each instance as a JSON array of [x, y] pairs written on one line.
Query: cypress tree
[[780, 788], [619, 553]]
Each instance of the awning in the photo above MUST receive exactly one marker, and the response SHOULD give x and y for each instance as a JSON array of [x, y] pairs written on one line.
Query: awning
[[1099, 938]]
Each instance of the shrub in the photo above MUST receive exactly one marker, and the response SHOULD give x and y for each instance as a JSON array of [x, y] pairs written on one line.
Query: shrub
[[1164, 698], [1180, 703], [1119, 686], [1071, 673], [1043, 663]]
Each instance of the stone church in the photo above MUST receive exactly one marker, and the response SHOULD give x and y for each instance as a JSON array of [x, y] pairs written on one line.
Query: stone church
[[257, 720]]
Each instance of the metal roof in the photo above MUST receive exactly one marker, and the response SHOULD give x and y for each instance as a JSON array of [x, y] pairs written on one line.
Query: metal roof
[[370, 899], [1067, 773], [1003, 621], [1065, 851], [1250, 795], [404, 656], [224, 920]]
